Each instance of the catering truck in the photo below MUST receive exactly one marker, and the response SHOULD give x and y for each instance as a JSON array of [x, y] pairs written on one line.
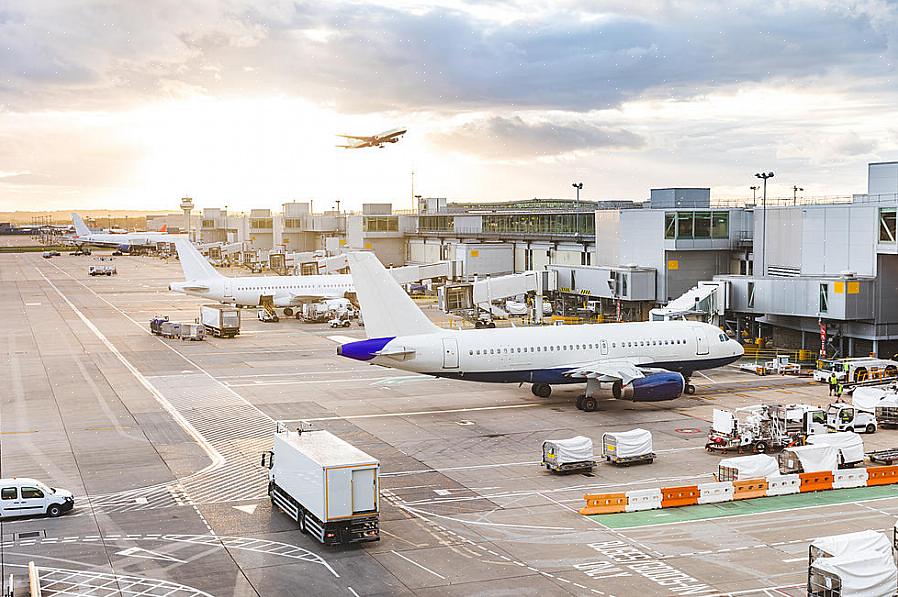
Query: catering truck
[[220, 320], [328, 486]]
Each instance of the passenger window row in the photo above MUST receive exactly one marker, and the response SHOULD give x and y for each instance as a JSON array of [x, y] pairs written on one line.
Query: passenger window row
[[567, 347]]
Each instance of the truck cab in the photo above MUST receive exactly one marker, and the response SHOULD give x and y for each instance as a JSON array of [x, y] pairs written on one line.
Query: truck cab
[[846, 417], [28, 497]]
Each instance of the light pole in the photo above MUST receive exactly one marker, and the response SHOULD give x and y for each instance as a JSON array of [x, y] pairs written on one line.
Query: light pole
[[579, 187], [764, 176], [795, 190], [754, 194]]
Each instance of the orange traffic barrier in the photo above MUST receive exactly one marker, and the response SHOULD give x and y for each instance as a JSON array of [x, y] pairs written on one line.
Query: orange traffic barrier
[[817, 481], [882, 475], [604, 503], [749, 488], [685, 495]]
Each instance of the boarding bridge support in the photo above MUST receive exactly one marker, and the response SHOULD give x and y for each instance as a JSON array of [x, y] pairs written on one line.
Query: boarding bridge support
[[708, 302]]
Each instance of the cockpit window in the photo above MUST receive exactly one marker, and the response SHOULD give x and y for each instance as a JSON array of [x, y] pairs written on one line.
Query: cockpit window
[[723, 337]]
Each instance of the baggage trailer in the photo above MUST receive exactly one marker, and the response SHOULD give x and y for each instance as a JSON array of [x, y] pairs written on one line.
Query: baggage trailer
[[156, 325], [329, 487], [628, 447], [852, 565], [220, 320], [568, 455], [101, 270], [887, 411]]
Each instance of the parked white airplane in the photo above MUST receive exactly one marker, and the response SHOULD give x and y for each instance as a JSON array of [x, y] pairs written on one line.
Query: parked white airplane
[[201, 279], [645, 362], [123, 242]]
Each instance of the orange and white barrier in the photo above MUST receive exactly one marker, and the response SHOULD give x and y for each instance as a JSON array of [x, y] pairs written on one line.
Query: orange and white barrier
[[727, 491]]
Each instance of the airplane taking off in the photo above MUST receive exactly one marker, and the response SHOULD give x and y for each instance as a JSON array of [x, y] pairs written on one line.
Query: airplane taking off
[[123, 242], [643, 361], [377, 140], [201, 279]]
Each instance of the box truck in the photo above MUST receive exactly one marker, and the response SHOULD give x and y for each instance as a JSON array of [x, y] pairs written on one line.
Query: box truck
[[220, 320]]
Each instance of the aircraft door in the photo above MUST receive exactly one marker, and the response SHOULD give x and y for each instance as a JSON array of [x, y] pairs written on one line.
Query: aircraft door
[[604, 348], [228, 294], [701, 343], [450, 353]]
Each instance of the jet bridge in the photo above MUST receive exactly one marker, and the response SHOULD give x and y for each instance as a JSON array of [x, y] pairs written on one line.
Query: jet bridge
[[480, 294], [706, 302]]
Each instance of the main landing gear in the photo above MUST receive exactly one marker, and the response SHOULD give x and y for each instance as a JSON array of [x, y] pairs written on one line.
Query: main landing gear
[[288, 312], [587, 403], [542, 390]]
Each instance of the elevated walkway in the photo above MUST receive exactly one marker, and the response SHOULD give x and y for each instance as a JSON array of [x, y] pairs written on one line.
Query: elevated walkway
[[707, 301]]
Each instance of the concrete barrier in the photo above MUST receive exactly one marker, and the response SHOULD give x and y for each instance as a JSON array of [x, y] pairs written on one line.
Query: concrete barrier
[[604, 503], [783, 484], [882, 475], [643, 499], [848, 478], [817, 481], [714, 493]]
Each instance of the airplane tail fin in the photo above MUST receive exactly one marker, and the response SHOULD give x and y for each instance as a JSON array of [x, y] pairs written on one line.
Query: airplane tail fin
[[164, 228], [386, 308], [81, 228], [195, 266]]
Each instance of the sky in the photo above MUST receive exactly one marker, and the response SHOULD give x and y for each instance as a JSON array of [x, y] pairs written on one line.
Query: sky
[[132, 105]]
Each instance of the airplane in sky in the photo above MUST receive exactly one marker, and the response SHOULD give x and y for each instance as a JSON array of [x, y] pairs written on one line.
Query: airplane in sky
[[642, 361], [203, 280], [123, 242], [377, 140]]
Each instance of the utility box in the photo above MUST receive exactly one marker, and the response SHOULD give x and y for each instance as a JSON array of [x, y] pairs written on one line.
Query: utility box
[[328, 486], [220, 320]]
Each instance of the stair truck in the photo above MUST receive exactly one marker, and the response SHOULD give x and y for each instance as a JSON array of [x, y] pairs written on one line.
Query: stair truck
[[328, 486]]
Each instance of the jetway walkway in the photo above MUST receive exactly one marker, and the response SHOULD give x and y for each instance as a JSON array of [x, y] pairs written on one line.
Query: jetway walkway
[[450, 270], [480, 294], [707, 300]]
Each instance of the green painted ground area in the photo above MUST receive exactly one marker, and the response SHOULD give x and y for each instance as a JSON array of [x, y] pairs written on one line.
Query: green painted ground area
[[628, 520]]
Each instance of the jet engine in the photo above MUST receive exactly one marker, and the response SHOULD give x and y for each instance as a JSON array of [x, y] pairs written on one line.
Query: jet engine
[[124, 248], [656, 387]]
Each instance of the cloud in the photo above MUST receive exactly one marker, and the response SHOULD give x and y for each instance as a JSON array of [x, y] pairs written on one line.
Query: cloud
[[510, 138]]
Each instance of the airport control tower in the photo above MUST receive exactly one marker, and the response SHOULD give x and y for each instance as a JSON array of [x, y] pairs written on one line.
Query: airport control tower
[[187, 207]]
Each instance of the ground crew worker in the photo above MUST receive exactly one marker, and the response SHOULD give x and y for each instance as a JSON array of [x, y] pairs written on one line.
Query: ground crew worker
[[839, 390], [833, 382]]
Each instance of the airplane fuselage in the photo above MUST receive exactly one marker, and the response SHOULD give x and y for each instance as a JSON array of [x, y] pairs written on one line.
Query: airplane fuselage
[[131, 239], [285, 291], [543, 355]]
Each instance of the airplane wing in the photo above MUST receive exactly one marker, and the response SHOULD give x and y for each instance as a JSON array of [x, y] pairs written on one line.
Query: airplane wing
[[298, 299], [356, 146], [391, 134], [356, 137], [610, 370]]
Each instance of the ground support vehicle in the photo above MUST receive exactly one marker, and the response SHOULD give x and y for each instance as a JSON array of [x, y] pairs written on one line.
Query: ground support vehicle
[[329, 487], [266, 316], [192, 331], [628, 447], [847, 417], [857, 370], [339, 323], [156, 325], [26, 497], [101, 270], [220, 320], [568, 455], [758, 428]]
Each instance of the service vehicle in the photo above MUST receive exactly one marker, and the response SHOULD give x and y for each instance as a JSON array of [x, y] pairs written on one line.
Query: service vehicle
[[856, 369], [800, 419], [266, 316], [27, 497], [47, 254], [156, 325], [101, 270], [568, 455], [220, 320], [339, 323], [764, 427], [328, 486], [848, 417], [628, 447]]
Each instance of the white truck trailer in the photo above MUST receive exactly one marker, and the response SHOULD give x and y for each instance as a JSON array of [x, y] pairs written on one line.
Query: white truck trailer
[[220, 320], [328, 486]]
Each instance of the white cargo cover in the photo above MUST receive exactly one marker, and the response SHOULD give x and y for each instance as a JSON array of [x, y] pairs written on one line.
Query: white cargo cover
[[636, 442], [890, 401], [723, 421], [815, 459], [837, 545], [867, 398], [848, 443], [574, 449], [862, 574], [752, 467]]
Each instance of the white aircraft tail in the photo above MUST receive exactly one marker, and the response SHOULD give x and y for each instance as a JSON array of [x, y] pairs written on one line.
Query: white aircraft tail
[[386, 308], [195, 266], [81, 228]]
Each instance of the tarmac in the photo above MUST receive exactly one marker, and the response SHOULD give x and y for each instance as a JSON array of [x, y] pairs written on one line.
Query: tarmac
[[160, 441]]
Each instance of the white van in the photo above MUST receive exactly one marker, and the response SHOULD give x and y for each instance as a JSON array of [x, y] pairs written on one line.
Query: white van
[[27, 497]]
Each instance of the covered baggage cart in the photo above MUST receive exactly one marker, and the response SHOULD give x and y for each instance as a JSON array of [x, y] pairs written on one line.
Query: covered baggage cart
[[809, 459], [567, 455], [886, 410], [849, 444], [758, 466], [856, 564], [628, 447]]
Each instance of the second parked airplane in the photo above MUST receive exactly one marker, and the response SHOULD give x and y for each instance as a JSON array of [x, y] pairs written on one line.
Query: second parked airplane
[[645, 361]]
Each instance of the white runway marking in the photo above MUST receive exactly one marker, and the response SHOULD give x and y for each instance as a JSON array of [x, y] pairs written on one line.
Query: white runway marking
[[421, 412], [414, 563]]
